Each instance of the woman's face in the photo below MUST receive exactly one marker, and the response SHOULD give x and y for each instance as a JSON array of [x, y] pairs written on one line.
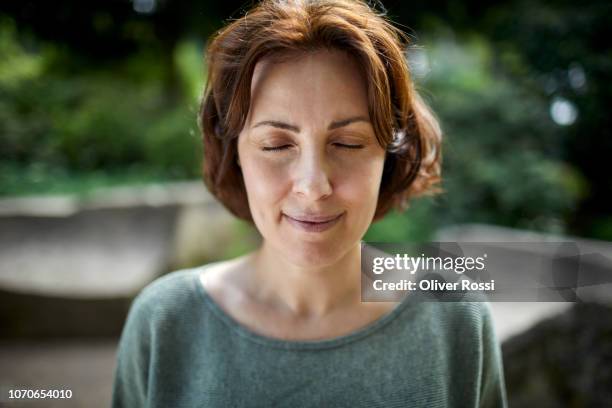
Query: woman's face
[[309, 156]]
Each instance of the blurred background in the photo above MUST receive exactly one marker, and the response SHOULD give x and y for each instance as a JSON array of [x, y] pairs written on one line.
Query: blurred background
[[100, 159]]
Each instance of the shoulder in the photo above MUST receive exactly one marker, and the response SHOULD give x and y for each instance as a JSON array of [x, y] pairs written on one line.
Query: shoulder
[[168, 286], [458, 321], [459, 336], [473, 347], [168, 294], [466, 314], [155, 315], [461, 332], [463, 311]]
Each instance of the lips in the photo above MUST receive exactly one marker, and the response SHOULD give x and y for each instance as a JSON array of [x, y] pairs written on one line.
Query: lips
[[314, 218], [313, 223]]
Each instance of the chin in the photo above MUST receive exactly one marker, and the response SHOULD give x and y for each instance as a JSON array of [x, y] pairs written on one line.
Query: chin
[[308, 254]]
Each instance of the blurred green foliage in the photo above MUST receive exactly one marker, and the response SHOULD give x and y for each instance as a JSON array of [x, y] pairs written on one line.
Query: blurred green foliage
[[503, 152], [56, 126], [502, 157]]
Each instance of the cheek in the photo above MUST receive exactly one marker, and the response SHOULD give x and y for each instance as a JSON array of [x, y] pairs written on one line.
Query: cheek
[[264, 181], [360, 182]]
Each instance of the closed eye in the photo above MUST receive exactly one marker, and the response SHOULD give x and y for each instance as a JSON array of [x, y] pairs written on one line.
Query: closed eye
[[348, 146], [275, 148]]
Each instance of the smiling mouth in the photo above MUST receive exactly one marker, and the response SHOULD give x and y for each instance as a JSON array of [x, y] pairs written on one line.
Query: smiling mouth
[[313, 223], [314, 218]]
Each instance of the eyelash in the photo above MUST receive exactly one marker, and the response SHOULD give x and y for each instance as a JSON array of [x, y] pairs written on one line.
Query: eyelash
[[283, 147]]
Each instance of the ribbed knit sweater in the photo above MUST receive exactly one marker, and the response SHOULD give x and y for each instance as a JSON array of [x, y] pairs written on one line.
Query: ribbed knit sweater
[[179, 348]]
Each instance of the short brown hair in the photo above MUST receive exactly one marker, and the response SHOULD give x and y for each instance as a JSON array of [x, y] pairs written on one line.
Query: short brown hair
[[402, 122]]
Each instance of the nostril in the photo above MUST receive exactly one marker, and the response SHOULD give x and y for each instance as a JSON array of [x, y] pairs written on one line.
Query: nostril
[[315, 188]]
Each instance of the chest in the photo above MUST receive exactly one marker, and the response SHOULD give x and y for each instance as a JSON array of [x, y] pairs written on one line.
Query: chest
[[362, 375]]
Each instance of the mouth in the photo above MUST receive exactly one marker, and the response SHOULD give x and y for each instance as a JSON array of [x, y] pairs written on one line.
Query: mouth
[[313, 223]]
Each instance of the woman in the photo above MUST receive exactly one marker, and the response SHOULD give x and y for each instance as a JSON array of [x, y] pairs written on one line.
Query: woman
[[312, 129]]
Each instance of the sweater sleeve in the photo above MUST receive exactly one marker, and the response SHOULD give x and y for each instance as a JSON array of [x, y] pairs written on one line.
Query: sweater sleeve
[[131, 373], [493, 389]]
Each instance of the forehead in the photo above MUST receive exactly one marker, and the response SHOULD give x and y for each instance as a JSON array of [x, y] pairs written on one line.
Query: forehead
[[309, 83]]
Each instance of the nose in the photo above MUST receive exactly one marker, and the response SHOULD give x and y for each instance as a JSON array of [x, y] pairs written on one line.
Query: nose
[[311, 178]]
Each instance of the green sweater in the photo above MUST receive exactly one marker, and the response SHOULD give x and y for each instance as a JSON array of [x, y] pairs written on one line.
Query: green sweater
[[180, 349]]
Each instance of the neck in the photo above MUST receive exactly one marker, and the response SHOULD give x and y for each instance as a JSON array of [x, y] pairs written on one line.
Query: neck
[[307, 291]]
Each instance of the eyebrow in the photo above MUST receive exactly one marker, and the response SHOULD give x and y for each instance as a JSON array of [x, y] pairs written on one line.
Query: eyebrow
[[334, 125]]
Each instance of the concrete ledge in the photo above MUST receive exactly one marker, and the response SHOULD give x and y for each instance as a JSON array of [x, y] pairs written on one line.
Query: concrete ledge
[[70, 265], [152, 195], [93, 253]]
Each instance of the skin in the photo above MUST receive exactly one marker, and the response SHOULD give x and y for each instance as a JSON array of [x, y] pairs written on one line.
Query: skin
[[307, 147]]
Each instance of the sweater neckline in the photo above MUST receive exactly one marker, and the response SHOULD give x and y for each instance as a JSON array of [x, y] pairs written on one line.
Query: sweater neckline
[[278, 343]]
